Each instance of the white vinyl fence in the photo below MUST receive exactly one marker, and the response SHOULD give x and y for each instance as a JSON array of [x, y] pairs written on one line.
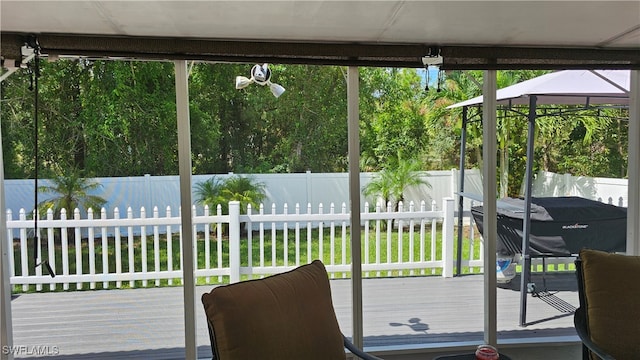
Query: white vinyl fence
[[607, 190], [126, 250]]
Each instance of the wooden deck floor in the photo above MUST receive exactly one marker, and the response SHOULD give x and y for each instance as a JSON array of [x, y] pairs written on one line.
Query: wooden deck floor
[[148, 323]]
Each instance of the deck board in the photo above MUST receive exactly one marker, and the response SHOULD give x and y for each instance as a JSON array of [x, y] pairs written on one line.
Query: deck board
[[148, 323]]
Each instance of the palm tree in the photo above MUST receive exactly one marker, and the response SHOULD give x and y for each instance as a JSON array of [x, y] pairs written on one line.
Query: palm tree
[[380, 186], [236, 188], [71, 191], [209, 192], [245, 190], [406, 175], [394, 179]]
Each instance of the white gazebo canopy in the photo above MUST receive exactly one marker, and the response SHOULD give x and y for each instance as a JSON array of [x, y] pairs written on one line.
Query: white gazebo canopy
[[567, 87]]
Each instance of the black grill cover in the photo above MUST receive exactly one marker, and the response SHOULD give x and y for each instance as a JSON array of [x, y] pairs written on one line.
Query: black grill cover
[[560, 226]]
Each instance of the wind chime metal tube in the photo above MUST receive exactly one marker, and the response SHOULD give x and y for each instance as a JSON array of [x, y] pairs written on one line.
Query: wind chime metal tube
[[35, 74]]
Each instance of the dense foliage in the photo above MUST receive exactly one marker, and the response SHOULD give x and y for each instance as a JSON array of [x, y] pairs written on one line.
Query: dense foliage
[[118, 118]]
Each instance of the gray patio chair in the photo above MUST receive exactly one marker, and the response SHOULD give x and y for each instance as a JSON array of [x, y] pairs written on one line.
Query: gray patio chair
[[289, 316], [609, 293]]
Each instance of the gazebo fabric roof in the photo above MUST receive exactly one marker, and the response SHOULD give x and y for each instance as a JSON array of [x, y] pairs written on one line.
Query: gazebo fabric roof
[[567, 87]]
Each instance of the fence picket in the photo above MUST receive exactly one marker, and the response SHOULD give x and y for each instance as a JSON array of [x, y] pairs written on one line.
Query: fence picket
[[38, 269], [434, 238], [143, 246], [195, 241], [249, 241], [118, 246], [10, 246], [389, 230], [273, 238], [24, 260], [366, 238], [261, 231], [105, 248], [344, 240], [285, 237], [156, 246], [309, 234], [320, 235], [400, 240], [78, 247], [332, 236], [297, 236], [411, 240], [92, 250], [378, 236], [169, 247], [64, 240], [51, 257], [131, 268], [422, 235], [207, 244], [218, 241]]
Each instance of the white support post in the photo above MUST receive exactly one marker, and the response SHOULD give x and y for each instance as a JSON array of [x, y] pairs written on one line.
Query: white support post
[[489, 204], [353, 118], [453, 182], [234, 241], [448, 207], [568, 186], [188, 250], [6, 330], [633, 209], [309, 187]]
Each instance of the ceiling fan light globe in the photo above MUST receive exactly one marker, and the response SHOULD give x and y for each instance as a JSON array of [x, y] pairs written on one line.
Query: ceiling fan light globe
[[276, 89], [242, 82]]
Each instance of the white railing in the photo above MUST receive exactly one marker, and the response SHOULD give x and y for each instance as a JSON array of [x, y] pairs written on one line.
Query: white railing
[[140, 250]]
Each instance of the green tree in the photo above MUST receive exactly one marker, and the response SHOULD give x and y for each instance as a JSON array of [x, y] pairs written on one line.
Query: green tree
[[210, 87], [306, 127], [62, 133], [70, 191], [393, 116], [16, 109], [446, 124], [581, 142], [113, 118], [131, 116]]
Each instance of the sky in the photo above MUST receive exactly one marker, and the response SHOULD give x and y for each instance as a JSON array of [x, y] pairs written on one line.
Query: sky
[[433, 75]]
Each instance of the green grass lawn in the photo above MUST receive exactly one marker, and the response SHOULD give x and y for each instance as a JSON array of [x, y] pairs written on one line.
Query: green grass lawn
[[341, 254]]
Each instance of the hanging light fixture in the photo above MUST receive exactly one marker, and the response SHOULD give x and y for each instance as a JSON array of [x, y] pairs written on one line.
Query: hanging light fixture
[[261, 75]]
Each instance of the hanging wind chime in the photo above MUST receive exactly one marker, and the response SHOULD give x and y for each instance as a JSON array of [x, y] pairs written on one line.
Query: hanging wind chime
[[34, 68]]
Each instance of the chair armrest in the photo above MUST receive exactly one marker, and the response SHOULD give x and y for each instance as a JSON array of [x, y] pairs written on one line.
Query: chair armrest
[[579, 320], [357, 352]]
